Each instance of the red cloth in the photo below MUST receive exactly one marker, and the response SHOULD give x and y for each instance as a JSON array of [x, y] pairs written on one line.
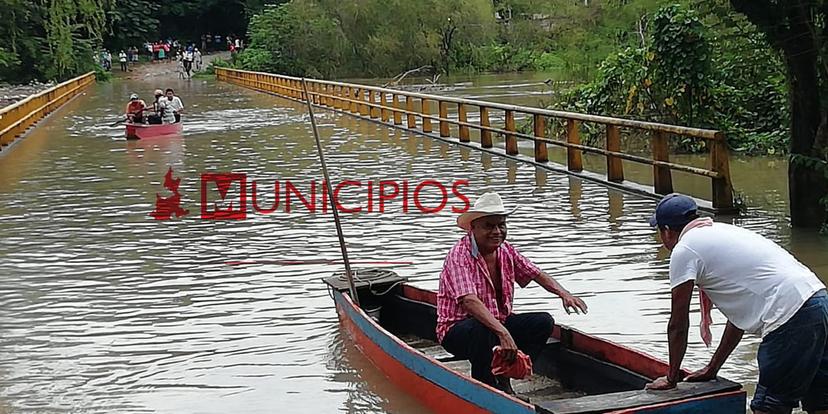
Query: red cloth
[[706, 305], [465, 272], [520, 368]]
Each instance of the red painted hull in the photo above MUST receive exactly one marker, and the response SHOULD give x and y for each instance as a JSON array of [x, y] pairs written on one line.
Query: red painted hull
[[428, 380], [438, 399], [146, 131]]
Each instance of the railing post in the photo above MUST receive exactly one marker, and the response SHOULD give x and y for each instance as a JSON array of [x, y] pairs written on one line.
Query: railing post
[[354, 103], [409, 107], [615, 168], [395, 101], [662, 177], [384, 107], [364, 109], [485, 134], [463, 129], [426, 111], [720, 163], [539, 123], [321, 89], [373, 110], [573, 155], [511, 141], [330, 92], [444, 125]]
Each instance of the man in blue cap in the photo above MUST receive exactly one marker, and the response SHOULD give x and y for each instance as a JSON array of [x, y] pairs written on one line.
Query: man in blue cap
[[761, 289]]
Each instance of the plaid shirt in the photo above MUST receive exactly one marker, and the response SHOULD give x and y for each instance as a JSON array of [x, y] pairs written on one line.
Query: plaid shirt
[[465, 272]]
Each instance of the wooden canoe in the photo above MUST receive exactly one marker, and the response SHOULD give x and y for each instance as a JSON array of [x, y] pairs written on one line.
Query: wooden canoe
[[575, 373], [146, 131]]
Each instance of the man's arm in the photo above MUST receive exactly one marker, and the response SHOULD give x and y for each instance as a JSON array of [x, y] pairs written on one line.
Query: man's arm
[[569, 300], [731, 337], [475, 307], [676, 335]]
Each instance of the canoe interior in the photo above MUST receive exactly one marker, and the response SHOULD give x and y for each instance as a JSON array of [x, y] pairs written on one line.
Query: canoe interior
[[566, 380]]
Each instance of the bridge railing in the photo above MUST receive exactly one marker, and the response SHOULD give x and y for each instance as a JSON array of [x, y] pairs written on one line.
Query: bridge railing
[[16, 118], [405, 109]]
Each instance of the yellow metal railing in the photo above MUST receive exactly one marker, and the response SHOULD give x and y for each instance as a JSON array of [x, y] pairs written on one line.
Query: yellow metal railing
[[16, 118], [391, 106]]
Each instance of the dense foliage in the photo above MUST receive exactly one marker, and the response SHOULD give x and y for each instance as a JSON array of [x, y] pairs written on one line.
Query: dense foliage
[[59, 39], [798, 29], [49, 39], [698, 66], [386, 37], [366, 38]]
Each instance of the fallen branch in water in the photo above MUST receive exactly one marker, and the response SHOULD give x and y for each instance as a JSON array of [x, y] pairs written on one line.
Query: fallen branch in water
[[396, 79]]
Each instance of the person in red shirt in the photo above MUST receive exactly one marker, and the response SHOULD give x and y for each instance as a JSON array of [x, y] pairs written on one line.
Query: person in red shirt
[[474, 300], [135, 109]]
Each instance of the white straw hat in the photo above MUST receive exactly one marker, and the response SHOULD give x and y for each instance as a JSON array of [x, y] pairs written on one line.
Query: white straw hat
[[489, 204]]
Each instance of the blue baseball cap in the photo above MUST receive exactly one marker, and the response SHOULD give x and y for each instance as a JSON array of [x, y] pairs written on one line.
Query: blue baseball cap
[[674, 211]]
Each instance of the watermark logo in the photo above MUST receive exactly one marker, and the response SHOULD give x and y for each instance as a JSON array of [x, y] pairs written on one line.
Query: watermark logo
[[223, 182], [237, 196], [165, 207]]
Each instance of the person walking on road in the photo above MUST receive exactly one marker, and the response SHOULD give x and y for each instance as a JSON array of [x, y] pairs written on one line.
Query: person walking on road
[[122, 58]]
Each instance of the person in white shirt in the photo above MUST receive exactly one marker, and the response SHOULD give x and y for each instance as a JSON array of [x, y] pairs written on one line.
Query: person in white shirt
[[761, 289], [197, 59], [174, 104], [122, 58]]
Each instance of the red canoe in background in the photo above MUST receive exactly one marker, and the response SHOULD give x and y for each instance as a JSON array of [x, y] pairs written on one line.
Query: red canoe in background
[[145, 131]]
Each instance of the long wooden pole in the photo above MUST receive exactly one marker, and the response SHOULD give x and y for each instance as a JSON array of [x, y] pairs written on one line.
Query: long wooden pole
[[344, 249]]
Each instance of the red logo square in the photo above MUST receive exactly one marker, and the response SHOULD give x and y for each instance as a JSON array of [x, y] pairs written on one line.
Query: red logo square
[[223, 182]]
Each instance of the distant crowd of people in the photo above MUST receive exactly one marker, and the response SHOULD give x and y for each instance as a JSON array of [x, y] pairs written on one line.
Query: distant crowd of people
[[215, 43], [189, 56], [166, 109]]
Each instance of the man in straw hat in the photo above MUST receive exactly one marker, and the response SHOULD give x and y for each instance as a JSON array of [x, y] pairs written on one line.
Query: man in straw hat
[[761, 289], [474, 302]]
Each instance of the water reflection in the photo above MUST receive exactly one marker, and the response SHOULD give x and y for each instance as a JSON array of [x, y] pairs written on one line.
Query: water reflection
[[103, 309]]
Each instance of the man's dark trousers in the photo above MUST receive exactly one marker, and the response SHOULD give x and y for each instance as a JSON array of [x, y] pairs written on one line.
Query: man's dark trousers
[[469, 339]]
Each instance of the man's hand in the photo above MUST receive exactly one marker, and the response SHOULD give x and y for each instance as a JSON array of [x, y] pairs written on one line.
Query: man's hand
[[508, 345], [704, 374], [572, 303], [660, 384]]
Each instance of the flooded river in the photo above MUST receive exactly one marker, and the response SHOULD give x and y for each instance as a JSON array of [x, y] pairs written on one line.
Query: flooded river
[[104, 310]]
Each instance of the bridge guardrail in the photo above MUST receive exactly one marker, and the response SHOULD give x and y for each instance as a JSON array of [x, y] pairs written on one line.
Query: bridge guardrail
[[16, 118], [373, 102]]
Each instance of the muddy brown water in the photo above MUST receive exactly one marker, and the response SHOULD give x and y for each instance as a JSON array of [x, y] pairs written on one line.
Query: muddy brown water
[[103, 309]]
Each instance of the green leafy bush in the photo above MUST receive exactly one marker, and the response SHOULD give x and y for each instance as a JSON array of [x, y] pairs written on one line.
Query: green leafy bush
[[693, 73]]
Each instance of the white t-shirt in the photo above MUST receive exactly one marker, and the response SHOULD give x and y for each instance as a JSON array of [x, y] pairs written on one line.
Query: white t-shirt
[[165, 106], [175, 104], [753, 281]]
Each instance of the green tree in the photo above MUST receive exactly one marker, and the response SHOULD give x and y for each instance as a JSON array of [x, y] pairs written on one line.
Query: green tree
[[798, 29], [50, 39], [132, 23]]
